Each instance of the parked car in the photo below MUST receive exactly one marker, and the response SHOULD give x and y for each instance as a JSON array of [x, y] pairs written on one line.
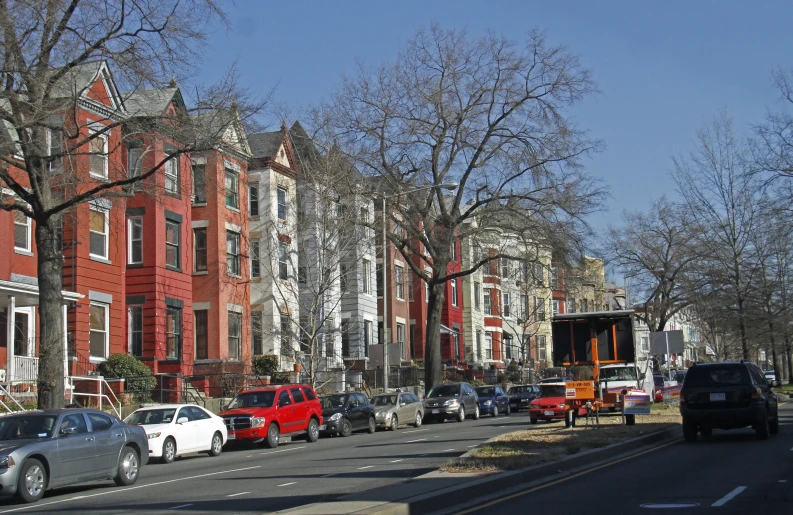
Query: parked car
[[521, 395], [347, 412], [393, 409], [658, 395], [177, 429], [454, 400], [549, 405], [492, 400], [40, 450], [264, 414], [770, 376], [727, 396]]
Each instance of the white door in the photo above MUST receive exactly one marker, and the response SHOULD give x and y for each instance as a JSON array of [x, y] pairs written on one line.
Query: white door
[[206, 428], [187, 433]]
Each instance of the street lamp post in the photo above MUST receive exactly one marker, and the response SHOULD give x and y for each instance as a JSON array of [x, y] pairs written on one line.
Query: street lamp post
[[446, 186]]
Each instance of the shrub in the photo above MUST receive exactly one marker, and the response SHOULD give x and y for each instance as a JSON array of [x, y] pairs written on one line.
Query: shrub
[[266, 365], [139, 379]]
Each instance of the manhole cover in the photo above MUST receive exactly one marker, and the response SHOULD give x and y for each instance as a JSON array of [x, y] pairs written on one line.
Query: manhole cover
[[667, 505]]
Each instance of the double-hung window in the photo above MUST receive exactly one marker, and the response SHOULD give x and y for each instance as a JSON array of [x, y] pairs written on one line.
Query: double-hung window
[[200, 249], [22, 232], [253, 199], [399, 281], [235, 336], [98, 227], [542, 353], [54, 148], [97, 149], [173, 333], [505, 307], [99, 332], [487, 301], [135, 318], [233, 253], [454, 292], [199, 183], [283, 205], [366, 280], [255, 259], [134, 161], [477, 295], [201, 334], [257, 332], [539, 308], [172, 230], [172, 171], [283, 261], [232, 189], [135, 240]]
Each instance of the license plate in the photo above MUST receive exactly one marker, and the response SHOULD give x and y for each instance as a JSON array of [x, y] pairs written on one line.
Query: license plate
[[436, 411], [718, 397], [323, 427], [548, 413], [232, 436]]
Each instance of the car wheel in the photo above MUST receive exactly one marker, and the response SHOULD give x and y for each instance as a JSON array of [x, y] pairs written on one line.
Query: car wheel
[[346, 428], [689, 432], [372, 425], [273, 436], [762, 430], [495, 411], [533, 420], [168, 450], [417, 423], [32, 481], [509, 410], [128, 467], [312, 433], [394, 423], [476, 412], [461, 414], [217, 445]]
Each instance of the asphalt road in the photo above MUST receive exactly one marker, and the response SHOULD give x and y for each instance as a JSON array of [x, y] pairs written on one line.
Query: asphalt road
[[264, 480], [731, 473]]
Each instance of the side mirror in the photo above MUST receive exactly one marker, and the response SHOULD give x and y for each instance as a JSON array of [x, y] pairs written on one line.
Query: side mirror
[[68, 430], [182, 420]]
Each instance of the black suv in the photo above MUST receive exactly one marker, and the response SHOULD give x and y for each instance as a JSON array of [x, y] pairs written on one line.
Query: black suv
[[727, 396]]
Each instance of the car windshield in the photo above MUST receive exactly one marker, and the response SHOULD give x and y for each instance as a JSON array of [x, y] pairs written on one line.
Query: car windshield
[[521, 389], [445, 390], [384, 400], [552, 390], [717, 375], [332, 401], [486, 391], [146, 417], [258, 399], [26, 427], [618, 374]]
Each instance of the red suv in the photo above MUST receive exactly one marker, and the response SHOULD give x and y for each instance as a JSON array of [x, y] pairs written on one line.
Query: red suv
[[264, 414]]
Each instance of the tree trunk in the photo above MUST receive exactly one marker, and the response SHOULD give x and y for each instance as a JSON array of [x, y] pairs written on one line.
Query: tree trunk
[[432, 349], [51, 323], [789, 361], [772, 339]]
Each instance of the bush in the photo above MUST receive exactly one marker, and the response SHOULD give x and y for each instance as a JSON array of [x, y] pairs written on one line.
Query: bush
[[266, 365], [139, 379]]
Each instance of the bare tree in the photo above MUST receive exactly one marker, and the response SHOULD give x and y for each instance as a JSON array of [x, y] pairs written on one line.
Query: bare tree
[[52, 52], [656, 249], [722, 196], [488, 114]]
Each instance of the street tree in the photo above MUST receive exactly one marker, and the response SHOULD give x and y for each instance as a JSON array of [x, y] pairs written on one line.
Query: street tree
[[486, 113], [53, 51]]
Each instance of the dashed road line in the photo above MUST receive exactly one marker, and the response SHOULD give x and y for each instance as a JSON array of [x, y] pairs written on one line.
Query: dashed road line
[[448, 450], [180, 506], [329, 475], [730, 496], [283, 450], [287, 484], [237, 494], [397, 461], [414, 441], [366, 467], [415, 431]]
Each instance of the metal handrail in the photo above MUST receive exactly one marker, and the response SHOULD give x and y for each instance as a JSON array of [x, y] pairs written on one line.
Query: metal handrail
[[8, 394], [101, 395]]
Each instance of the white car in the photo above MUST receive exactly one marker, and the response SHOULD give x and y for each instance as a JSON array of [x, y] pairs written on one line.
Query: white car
[[770, 376], [177, 429]]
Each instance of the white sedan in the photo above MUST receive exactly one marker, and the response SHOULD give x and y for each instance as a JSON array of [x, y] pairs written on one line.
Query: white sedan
[[177, 429]]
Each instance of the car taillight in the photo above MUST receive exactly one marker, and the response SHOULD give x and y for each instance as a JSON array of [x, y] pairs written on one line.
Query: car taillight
[[757, 394]]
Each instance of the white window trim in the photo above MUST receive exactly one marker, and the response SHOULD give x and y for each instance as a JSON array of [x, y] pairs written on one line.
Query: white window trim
[[98, 359], [30, 338], [257, 257], [173, 160], [454, 292], [129, 240], [106, 214], [104, 138], [28, 237]]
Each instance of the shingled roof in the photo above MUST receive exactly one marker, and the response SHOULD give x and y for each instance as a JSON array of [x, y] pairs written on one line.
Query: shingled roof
[[150, 102], [265, 144]]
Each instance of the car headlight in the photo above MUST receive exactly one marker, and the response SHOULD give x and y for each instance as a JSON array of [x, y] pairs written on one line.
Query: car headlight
[[257, 422], [560, 406], [334, 417], [152, 436], [488, 403], [380, 414], [6, 462], [451, 402]]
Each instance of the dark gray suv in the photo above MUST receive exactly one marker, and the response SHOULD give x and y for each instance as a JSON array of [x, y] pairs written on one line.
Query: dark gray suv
[[454, 400], [727, 396]]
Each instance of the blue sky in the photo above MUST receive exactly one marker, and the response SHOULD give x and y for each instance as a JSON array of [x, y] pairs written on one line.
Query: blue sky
[[663, 68]]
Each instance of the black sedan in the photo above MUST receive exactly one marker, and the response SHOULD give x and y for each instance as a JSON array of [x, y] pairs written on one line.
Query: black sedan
[[521, 396], [40, 450], [344, 413]]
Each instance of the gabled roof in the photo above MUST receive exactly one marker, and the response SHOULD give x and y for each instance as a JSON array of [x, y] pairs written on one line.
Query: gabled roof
[[228, 126], [152, 102], [265, 144], [79, 79]]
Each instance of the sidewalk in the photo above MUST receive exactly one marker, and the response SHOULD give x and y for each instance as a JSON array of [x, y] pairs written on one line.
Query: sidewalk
[[439, 490]]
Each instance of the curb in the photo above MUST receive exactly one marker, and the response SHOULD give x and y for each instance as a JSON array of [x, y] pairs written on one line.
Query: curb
[[468, 488]]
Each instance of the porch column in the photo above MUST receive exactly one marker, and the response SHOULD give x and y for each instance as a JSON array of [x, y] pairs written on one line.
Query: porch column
[[10, 333], [65, 344]]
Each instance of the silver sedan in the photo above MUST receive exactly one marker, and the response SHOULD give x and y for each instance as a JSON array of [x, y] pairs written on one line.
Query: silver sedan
[[40, 450], [393, 409]]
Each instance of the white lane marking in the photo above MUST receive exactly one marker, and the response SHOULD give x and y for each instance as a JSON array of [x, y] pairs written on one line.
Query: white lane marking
[[436, 436], [397, 461], [249, 456], [415, 431], [448, 450], [235, 495], [474, 445], [177, 507], [727, 498], [283, 450], [366, 467], [128, 488], [287, 484], [414, 441]]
